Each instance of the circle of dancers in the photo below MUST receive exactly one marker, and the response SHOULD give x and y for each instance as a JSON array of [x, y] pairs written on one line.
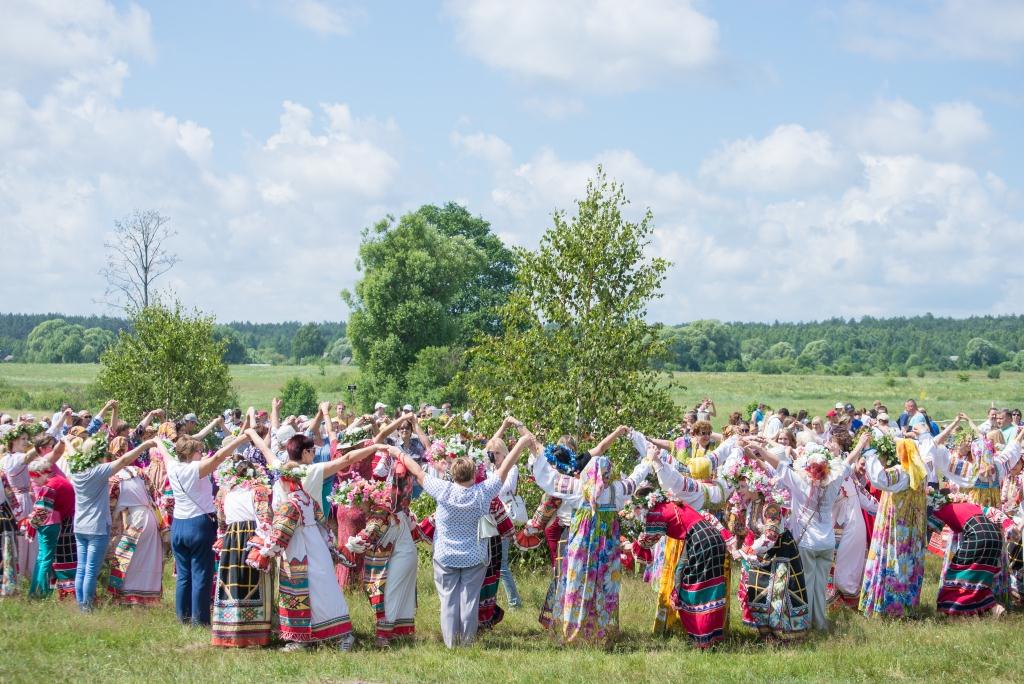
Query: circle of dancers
[[269, 519]]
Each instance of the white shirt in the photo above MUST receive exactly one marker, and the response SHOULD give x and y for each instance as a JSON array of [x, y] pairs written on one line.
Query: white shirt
[[772, 426], [508, 489], [193, 495], [811, 522]]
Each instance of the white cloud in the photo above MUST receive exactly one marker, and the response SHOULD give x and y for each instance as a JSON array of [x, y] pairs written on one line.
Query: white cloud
[[903, 234], [789, 158], [894, 126], [485, 146], [599, 45], [68, 37], [326, 18], [73, 158], [945, 29]]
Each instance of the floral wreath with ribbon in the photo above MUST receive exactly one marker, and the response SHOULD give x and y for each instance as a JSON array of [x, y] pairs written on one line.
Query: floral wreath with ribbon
[[29, 430]]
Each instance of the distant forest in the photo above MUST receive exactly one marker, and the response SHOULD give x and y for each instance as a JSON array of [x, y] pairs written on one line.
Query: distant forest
[[840, 346], [57, 338]]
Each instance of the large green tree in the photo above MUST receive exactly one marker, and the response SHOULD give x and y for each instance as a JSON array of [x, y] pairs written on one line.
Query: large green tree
[[172, 360], [308, 342], [58, 341], [431, 279], [575, 352]]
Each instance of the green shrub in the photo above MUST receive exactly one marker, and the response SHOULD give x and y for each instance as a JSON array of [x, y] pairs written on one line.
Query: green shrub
[[298, 397], [994, 373]]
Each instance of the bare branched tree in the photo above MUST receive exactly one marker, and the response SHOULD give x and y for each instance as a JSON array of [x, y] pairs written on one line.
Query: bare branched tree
[[136, 257]]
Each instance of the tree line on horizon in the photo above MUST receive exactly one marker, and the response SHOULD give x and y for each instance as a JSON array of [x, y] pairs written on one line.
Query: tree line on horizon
[[839, 346]]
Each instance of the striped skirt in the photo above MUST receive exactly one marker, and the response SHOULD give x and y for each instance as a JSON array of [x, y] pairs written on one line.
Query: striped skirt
[[8, 551], [242, 609], [65, 559], [490, 613], [968, 579], [700, 590], [773, 594]]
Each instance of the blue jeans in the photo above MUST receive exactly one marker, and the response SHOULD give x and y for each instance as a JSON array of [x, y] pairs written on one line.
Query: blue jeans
[[92, 549], [192, 544], [507, 580]]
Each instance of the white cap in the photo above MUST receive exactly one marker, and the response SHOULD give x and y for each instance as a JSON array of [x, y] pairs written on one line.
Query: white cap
[[284, 433], [379, 405], [839, 406], [407, 407], [883, 416]]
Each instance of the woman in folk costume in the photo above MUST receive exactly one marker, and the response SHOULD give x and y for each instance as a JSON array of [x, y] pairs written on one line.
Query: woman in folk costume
[[311, 605], [851, 513], [973, 579], [894, 570], [137, 566], [385, 545], [700, 592], [554, 515], [585, 604], [242, 612], [979, 467], [53, 518], [702, 493], [814, 480], [351, 519], [10, 508], [15, 466], [771, 589]]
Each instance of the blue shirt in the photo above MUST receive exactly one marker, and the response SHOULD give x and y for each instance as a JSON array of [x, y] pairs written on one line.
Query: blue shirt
[[323, 455]]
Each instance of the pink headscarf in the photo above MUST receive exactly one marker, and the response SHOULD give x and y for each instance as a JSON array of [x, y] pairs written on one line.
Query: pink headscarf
[[595, 479]]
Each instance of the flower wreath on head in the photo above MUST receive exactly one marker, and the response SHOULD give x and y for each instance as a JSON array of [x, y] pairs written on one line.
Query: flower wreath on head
[[815, 456], [937, 498], [562, 458], [355, 431], [964, 433], [296, 473], [29, 430], [758, 480], [886, 448], [242, 472], [80, 460]]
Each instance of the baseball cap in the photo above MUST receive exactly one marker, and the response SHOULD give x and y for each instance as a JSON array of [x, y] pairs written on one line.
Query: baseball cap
[[831, 414], [379, 405], [839, 406], [407, 407], [191, 418], [849, 408], [883, 416]]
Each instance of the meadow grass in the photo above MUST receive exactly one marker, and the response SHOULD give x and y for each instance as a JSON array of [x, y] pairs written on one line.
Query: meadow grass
[[39, 388], [46, 640]]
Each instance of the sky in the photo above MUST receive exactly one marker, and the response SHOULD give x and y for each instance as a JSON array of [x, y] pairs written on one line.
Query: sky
[[803, 160]]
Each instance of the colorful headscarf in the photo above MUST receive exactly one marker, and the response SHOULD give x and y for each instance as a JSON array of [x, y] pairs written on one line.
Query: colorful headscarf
[[595, 479], [910, 460]]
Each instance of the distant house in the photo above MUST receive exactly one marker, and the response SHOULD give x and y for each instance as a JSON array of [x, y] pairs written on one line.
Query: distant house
[[8, 358], [954, 359]]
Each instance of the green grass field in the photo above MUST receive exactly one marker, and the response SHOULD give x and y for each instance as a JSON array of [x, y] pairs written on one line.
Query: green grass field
[[41, 387], [45, 641]]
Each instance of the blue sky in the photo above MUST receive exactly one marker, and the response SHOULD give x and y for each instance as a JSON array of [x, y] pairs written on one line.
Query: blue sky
[[803, 160]]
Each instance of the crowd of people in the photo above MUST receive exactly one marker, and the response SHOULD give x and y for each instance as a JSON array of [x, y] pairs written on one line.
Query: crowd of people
[[274, 522]]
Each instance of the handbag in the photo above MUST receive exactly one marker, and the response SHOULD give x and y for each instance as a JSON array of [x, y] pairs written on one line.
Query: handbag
[[515, 507]]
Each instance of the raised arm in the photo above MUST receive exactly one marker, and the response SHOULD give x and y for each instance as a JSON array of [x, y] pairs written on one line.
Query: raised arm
[[209, 428], [275, 414], [260, 444], [129, 457], [858, 450], [389, 428], [534, 445], [605, 443], [513, 456], [354, 456], [424, 439], [505, 425], [412, 466], [948, 430], [314, 427], [210, 463]]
